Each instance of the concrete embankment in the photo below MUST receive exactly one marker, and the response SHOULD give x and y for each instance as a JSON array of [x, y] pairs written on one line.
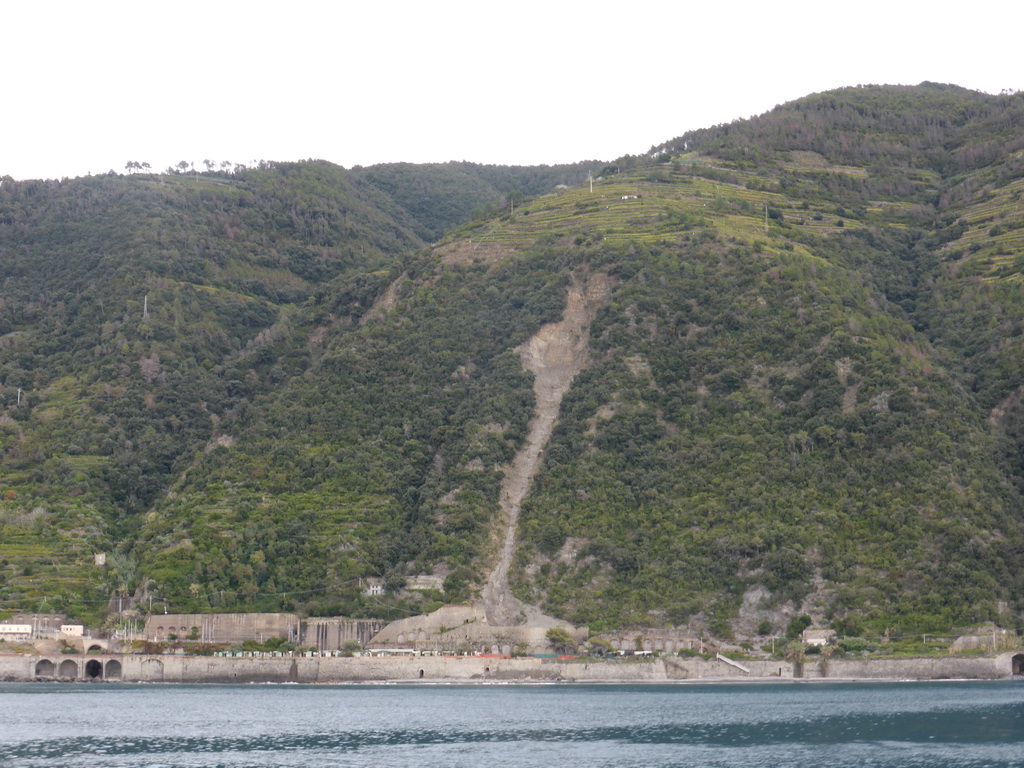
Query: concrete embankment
[[209, 669]]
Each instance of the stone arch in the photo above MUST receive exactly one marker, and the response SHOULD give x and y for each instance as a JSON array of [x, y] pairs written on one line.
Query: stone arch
[[1018, 664], [44, 668], [401, 637], [94, 669], [112, 671], [421, 674], [153, 669], [422, 636], [96, 648], [68, 668]]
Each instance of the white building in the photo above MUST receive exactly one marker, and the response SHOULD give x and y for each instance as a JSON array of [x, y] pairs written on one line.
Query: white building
[[15, 633], [819, 636]]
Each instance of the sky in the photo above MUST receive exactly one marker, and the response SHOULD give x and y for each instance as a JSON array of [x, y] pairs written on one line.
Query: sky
[[91, 86]]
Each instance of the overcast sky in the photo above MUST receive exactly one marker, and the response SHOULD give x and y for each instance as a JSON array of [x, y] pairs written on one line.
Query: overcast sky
[[91, 85]]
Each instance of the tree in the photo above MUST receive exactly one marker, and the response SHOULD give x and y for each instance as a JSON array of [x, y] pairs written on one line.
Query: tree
[[601, 648], [561, 640], [797, 625], [515, 197], [351, 648]]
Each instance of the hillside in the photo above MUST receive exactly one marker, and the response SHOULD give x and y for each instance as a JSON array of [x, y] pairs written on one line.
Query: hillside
[[139, 315], [797, 390]]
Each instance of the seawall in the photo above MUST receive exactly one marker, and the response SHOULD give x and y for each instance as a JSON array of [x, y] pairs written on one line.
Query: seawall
[[213, 669]]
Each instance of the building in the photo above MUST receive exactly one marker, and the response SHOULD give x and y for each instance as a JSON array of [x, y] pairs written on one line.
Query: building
[[42, 624], [819, 636], [15, 633]]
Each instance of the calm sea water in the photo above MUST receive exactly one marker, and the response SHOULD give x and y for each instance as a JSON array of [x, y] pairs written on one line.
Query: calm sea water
[[556, 726]]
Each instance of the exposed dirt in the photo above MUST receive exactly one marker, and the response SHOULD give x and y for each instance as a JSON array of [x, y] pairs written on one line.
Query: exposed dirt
[[852, 382], [466, 252], [555, 355], [386, 301], [1002, 415]]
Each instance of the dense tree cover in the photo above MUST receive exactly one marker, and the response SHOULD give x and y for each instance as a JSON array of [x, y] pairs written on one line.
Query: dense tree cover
[[757, 422], [942, 128], [138, 313], [440, 196], [382, 460], [256, 393]]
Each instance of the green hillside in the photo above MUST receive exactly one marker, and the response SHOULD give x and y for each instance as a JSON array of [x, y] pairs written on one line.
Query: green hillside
[[439, 196], [805, 386], [139, 316]]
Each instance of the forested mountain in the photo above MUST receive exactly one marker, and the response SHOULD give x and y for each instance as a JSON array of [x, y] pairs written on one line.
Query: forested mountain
[[440, 196], [803, 387]]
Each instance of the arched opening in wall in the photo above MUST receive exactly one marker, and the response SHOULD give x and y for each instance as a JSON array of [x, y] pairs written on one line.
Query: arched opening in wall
[[68, 668], [112, 671], [1018, 665], [93, 670], [95, 649], [421, 673], [44, 668]]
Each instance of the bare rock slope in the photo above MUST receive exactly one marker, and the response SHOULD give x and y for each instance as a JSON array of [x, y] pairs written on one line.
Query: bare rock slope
[[555, 355]]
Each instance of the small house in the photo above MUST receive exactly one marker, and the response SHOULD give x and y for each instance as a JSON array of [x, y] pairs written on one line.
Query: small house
[[819, 636]]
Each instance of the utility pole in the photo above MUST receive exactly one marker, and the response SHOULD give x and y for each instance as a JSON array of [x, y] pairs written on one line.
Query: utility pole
[[145, 307], [590, 176], [766, 218], [19, 395]]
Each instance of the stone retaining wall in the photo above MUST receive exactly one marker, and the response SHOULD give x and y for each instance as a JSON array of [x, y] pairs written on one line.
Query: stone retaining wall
[[213, 669]]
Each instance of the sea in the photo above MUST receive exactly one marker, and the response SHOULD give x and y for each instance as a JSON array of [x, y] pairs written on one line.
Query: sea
[[961, 724]]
